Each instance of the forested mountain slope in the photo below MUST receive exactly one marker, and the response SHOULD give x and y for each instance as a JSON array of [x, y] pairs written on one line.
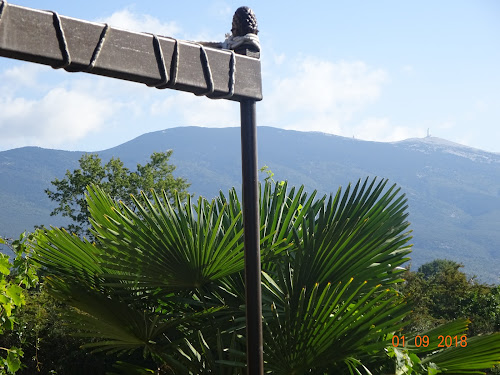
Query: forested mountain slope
[[453, 190]]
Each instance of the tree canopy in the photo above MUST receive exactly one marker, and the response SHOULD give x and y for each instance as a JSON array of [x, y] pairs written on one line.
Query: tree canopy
[[116, 180], [441, 292]]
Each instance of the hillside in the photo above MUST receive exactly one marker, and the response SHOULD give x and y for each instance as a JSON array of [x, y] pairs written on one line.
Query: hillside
[[453, 190]]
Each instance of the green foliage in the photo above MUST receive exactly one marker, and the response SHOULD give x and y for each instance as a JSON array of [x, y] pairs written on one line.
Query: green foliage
[[116, 180], [269, 174], [166, 279], [15, 277], [482, 305], [440, 293], [437, 267], [49, 346]]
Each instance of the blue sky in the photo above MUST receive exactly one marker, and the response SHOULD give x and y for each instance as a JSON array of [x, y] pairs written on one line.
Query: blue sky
[[376, 70]]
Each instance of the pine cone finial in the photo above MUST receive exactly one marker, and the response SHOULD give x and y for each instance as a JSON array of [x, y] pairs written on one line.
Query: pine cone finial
[[244, 22]]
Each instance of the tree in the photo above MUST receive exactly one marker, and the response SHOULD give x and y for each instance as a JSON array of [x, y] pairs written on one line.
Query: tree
[[482, 305], [116, 180], [442, 293], [167, 279], [437, 267]]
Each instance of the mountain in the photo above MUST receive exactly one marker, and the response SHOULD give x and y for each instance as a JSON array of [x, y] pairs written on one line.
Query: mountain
[[453, 190]]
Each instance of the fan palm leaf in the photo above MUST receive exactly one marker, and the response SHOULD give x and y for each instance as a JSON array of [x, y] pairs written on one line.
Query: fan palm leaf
[[481, 352], [326, 298], [169, 248], [460, 354]]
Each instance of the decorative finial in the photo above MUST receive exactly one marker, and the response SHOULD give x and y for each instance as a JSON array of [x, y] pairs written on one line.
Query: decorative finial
[[243, 38], [244, 22]]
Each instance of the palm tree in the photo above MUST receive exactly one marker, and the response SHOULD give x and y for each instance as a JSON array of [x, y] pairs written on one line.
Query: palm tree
[[168, 279]]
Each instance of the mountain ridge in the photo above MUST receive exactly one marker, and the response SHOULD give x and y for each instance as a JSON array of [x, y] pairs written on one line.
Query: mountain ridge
[[453, 191]]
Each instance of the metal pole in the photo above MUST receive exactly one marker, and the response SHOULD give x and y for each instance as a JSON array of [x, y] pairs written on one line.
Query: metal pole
[[251, 222]]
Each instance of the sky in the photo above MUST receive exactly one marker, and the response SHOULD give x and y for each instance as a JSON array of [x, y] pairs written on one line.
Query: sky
[[373, 70]]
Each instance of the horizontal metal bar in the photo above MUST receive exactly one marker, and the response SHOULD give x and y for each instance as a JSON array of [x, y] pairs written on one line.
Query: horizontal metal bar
[[31, 35]]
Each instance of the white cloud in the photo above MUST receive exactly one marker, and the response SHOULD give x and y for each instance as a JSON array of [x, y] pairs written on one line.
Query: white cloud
[[58, 118], [190, 110], [330, 97], [321, 95], [22, 74], [129, 20], [381, 130], [322, 85], [126, 19]]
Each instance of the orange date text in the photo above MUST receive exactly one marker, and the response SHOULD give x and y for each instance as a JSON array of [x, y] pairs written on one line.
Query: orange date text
[[424, 341]]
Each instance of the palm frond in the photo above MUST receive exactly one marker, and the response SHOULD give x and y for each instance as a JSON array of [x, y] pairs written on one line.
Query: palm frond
[[165, 247], [326, 296], [328, 325], [225, 355], [66, 255], [360, 234], [480, 352]]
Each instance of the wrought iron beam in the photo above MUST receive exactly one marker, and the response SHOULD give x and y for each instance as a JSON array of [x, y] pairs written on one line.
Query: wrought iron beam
[[33, 35]]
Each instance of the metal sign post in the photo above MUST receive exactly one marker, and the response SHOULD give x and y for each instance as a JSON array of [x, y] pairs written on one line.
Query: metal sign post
[[251, 222], [229, 70]]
